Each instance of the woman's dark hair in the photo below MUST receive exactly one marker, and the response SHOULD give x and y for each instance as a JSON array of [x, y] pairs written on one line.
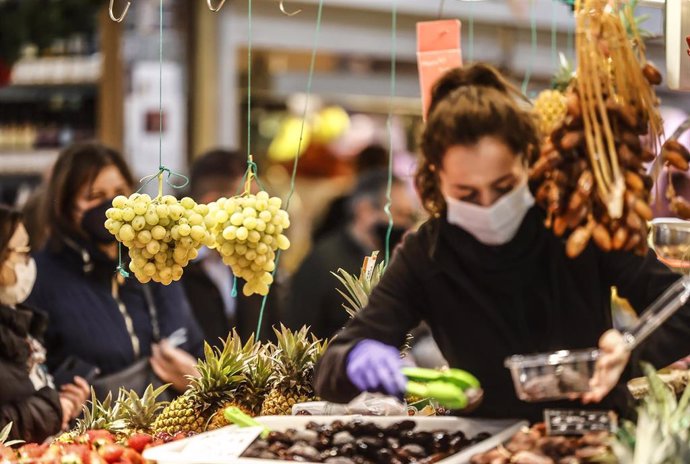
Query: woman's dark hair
[[468, 104], [9, 221], [78, 165]]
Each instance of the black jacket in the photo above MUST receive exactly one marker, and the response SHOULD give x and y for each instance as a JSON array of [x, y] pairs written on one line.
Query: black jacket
[[314, 299], [209, 310], [75, 287], [35, 415], [484, 304]]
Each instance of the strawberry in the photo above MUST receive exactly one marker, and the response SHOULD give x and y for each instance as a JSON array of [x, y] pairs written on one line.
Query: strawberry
[[95, 458], [132, 457], [7, 454], [102, 436], [111, 453], [32, 450], [139, 441]]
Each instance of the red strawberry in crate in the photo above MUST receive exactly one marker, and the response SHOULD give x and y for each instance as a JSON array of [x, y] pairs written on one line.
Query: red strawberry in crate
[[95, 458], [111, 453], [32, 451], [132, 457], [139, 441], [100, 436]]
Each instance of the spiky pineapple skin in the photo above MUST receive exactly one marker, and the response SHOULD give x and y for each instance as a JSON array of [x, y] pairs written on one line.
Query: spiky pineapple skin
[[551, 109], [280, 403], [218, 419], [183, 414]]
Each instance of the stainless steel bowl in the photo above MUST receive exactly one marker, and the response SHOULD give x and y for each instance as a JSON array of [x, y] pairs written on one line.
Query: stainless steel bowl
[[671, 242]]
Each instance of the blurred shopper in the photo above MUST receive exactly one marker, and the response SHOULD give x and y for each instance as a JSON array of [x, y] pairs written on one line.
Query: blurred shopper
[[27, 396], [97, 318], [313, 297], [371, 158], [207, 280]]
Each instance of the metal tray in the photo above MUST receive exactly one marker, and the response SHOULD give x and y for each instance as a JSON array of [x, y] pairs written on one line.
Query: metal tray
[[500, 430]]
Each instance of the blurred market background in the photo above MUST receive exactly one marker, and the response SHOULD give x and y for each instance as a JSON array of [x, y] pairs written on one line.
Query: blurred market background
[[69, 73]]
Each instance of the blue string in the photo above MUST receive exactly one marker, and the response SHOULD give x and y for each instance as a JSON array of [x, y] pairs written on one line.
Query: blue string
[[310, 77], [249, 83], [394, 54]]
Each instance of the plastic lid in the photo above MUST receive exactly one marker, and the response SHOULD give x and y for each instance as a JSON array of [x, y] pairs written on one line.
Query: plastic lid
[[552, 359]]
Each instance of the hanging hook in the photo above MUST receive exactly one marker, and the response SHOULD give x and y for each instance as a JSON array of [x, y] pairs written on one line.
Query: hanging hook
[[215, 9], [122, 16], [285, 12]]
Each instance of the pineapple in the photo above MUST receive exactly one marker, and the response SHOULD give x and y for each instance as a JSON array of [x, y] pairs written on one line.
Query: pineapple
[[96, 415], [359, 289], [252, 351], [139, 413], [551, 108], [294, 371], [258, 384], [220, 373]]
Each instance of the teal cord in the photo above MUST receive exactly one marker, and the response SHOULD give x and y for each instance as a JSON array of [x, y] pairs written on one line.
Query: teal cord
[[310, 78], [160, 85], [470, 33], [389, 187], [249, 82], [533, 53]]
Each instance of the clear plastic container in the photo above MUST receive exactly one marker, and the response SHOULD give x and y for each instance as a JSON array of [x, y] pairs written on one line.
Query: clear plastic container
[[552, 376]]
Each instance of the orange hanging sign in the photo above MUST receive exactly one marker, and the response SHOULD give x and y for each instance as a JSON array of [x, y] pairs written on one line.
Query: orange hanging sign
[[438, 50]]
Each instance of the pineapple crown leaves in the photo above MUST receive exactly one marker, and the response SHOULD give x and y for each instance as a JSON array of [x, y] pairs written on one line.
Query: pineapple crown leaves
[[140, 412], [100, 415], [564, 76], [295, 352], [634, 26], [358, 289], [223, 370], [4, 435]]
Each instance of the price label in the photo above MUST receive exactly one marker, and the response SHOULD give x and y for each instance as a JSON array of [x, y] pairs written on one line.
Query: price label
[[577, 422], [219, 446]]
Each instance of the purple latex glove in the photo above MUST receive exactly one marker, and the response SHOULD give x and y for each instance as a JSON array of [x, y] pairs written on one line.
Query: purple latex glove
[[375, 367]]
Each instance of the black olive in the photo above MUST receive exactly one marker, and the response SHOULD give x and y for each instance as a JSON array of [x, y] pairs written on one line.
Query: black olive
[[339, 460], [458, 443], [414, 450], [441, 441], [308, 436], [348, 449], [330, 453], [482, 436], [274, 437], [313, 426], [393, 443], [337, 426], [384, 456], [408, 437]]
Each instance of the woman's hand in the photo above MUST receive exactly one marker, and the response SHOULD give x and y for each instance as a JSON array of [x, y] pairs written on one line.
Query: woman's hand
[[173, 365], [613, 357], [376, 367], [72, 398]]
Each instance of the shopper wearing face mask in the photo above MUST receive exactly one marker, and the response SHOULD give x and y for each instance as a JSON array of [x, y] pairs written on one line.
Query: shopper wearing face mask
[[486, 275], [313, 298], [28, 398], [98, 318]]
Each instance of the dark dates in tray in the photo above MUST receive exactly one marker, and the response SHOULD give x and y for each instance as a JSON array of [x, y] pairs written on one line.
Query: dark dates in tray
[[360, 442]]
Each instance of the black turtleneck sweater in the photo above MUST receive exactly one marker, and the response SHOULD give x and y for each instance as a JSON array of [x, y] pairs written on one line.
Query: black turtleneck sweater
[[35, 414], [485, 303]]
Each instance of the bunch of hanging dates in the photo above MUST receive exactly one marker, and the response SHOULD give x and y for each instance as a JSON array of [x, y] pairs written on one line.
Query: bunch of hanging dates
[[567, 187]]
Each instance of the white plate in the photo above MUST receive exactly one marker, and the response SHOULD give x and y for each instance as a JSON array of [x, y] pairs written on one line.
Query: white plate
[[500, 430]]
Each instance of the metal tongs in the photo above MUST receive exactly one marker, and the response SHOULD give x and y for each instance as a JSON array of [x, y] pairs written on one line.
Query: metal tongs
[[452, 388], [658, 312]]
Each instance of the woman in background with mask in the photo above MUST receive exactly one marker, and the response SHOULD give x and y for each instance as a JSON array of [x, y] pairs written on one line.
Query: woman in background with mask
[[486, 275], [27, 397], [103, 320]]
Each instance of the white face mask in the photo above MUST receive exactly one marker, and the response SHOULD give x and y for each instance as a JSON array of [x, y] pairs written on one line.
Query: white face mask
[[18, 292], [496, 224]]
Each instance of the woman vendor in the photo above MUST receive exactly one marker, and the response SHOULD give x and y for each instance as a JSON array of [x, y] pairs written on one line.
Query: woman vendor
[[486, 275]]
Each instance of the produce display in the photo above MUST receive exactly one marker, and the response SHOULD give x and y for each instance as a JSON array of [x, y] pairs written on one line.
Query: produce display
[[247, 233], [590, 175], [360, 442], [533, 446], [162, 234]]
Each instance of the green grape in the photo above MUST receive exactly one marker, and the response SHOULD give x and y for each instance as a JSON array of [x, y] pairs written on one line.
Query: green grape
[[254, 236], [149, 269], [120, 201], [249, 212], [283, 242], [198, 233], [237, 219], [169, 200], [187, 203], [249, 223], [144, 237], [138, 223], [140, 207], [186, 243], [230, 233], [127, 233], [158, 232], [265, 216], [184, 230], [242, 233], [153, 247], [128, 214]]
